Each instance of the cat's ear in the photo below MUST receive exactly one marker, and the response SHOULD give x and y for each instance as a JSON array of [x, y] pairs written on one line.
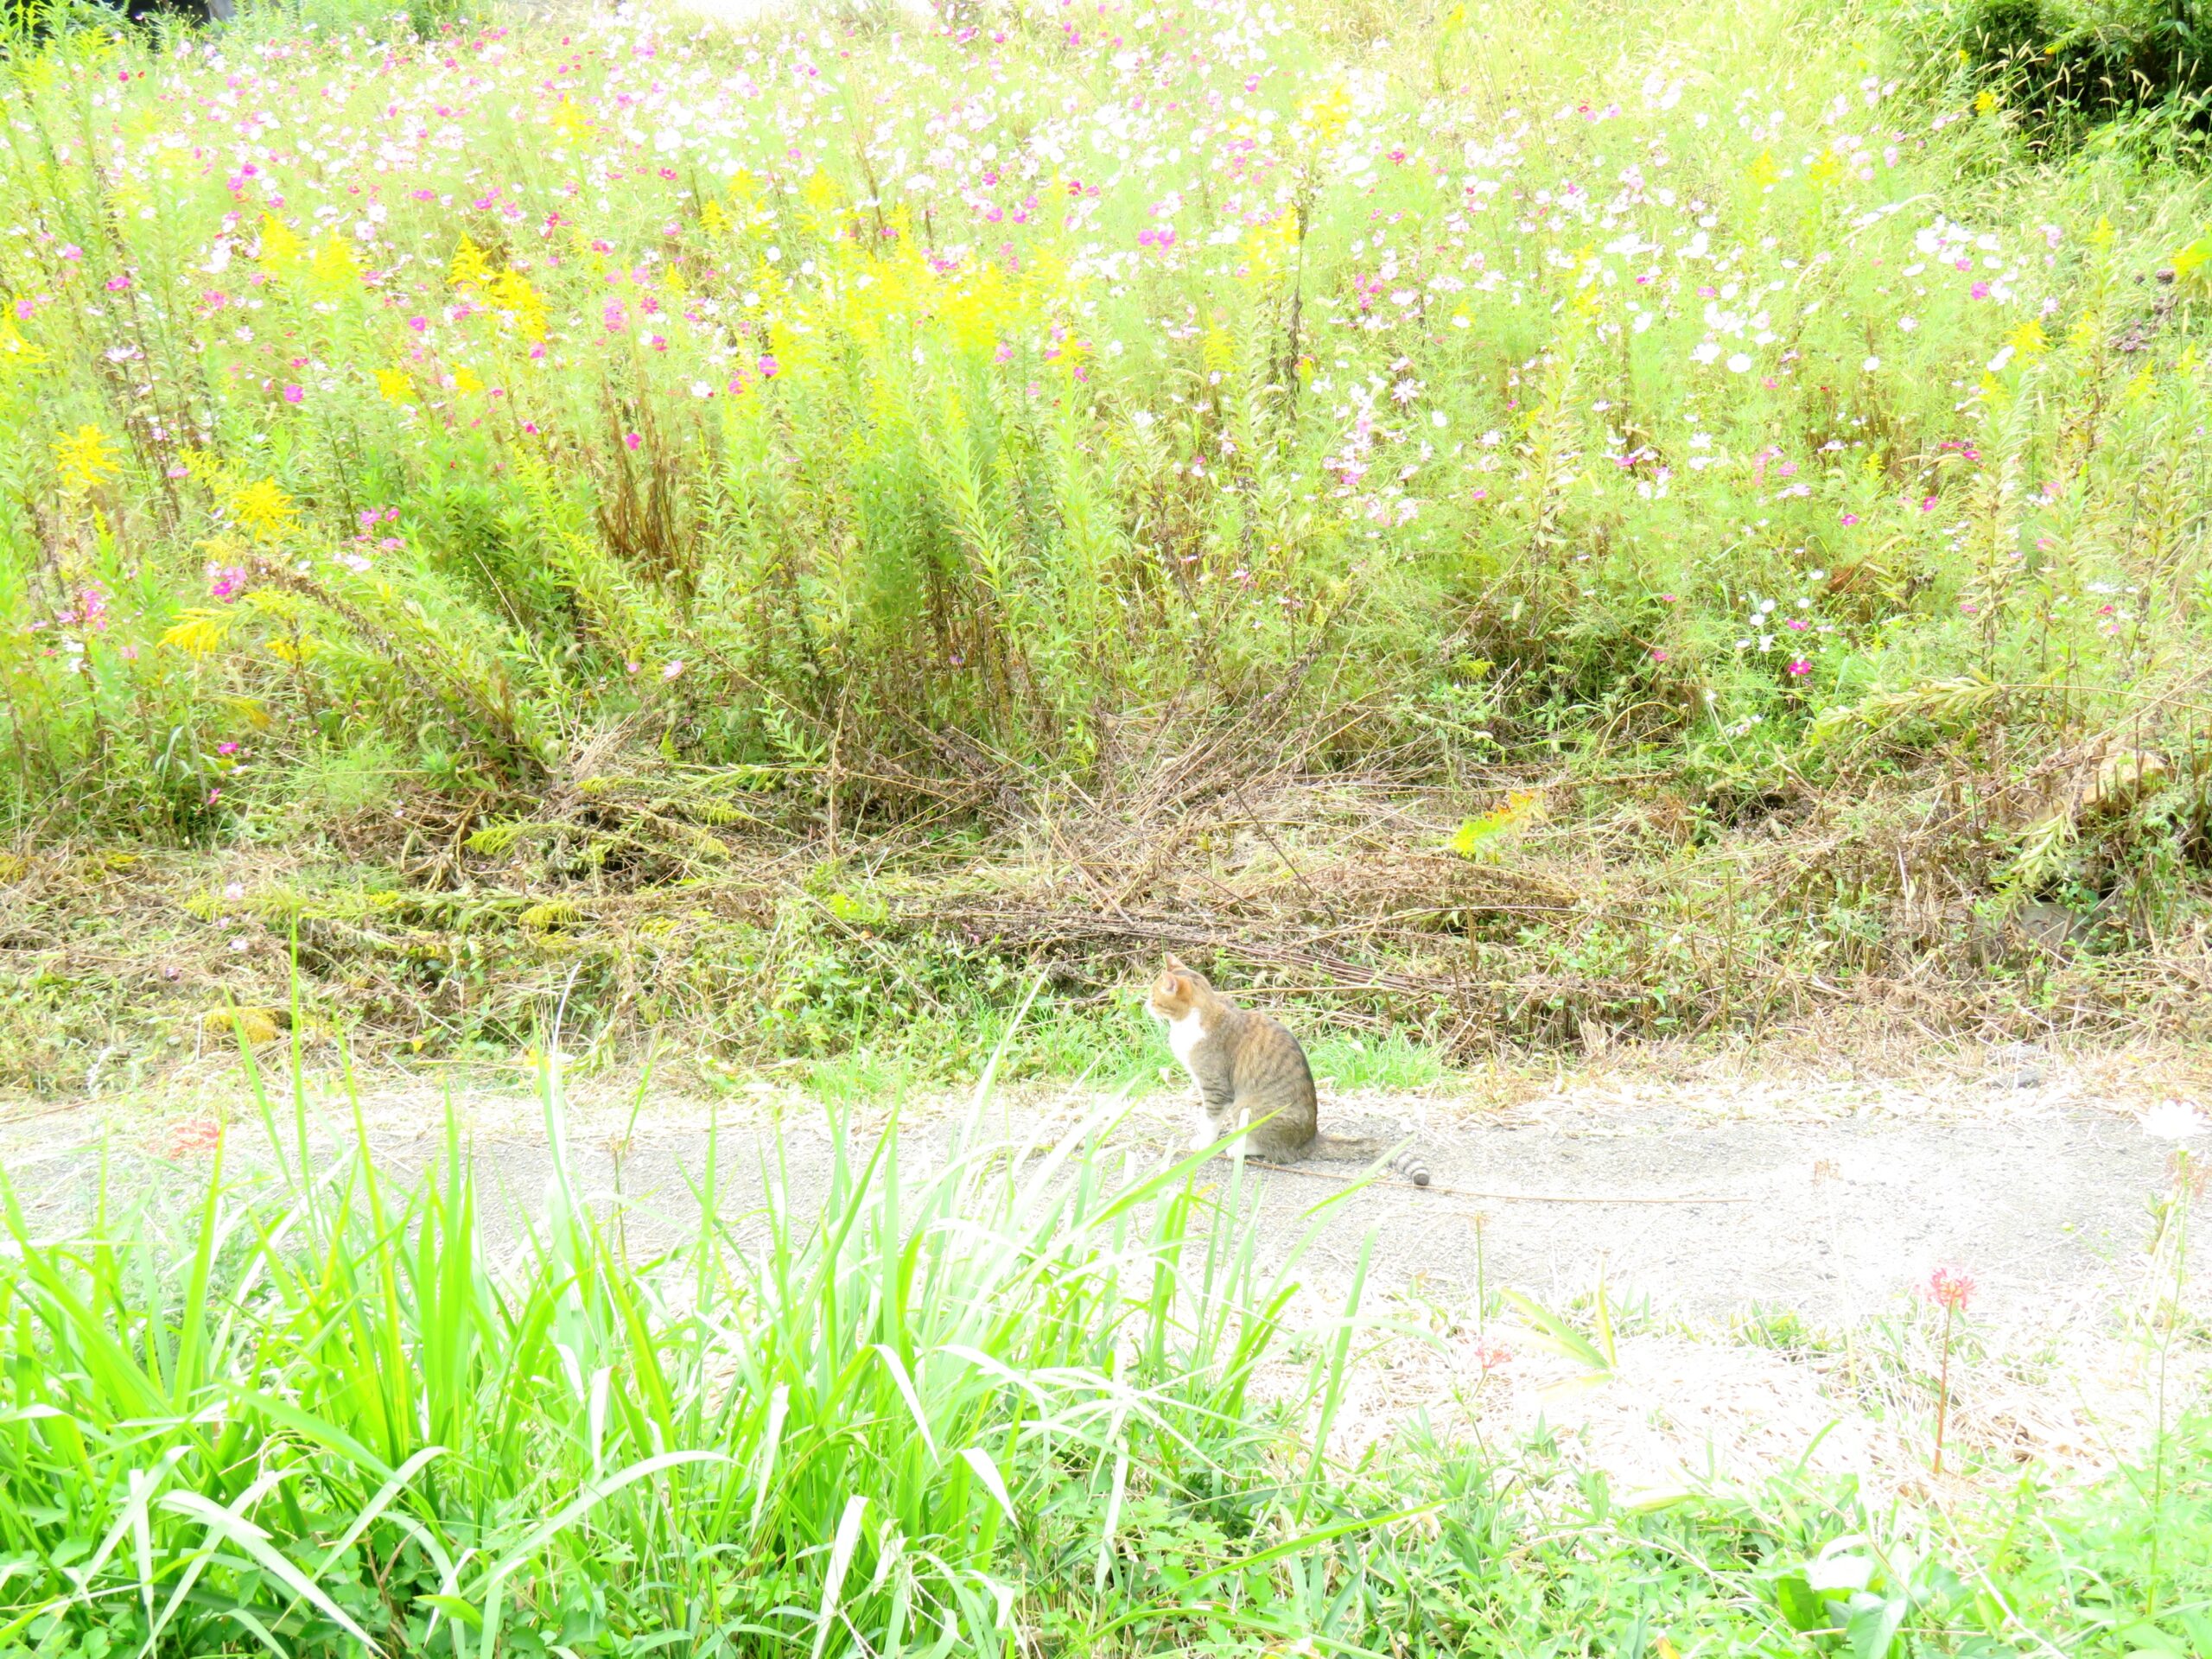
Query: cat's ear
[[1175, 965]]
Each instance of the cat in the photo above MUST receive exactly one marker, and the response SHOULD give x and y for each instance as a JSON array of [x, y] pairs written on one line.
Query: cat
[[1249, 1068]]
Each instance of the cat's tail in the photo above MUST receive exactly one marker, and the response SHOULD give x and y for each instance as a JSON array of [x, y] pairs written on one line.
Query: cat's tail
[[1366, 1149]]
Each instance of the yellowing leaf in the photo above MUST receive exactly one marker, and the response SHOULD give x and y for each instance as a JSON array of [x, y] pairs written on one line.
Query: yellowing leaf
[[257, 1026], [1522, 807], [16, 351], [2124, 774], [2193, 257]]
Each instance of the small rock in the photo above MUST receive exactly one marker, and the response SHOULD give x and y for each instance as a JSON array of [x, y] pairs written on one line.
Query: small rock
[[2016, 1065]]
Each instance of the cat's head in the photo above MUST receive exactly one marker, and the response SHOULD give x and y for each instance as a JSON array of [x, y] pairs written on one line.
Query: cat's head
[[1176, 990]]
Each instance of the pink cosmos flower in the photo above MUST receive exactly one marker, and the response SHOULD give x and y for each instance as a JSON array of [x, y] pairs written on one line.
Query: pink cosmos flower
[[294, 394], [1798, 667]]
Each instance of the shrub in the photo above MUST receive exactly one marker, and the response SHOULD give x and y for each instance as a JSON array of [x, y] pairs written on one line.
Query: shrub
[[2067, 67]]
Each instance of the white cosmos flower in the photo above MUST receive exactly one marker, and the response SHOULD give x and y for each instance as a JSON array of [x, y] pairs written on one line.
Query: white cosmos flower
[[1739, 363]]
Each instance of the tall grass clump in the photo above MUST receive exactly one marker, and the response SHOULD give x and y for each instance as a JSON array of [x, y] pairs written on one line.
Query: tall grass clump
[[317, 1410]]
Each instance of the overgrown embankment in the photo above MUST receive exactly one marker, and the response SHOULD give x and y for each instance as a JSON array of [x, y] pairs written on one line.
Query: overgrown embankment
[[1523, 523]]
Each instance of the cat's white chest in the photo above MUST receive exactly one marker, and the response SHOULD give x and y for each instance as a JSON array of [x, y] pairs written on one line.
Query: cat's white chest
[[1184, 1036]]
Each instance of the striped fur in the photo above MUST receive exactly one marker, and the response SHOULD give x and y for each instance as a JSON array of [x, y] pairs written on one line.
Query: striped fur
[[1249, 1068]]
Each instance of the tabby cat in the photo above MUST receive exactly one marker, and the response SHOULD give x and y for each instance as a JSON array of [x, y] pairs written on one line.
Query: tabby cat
[[1249, 1068]]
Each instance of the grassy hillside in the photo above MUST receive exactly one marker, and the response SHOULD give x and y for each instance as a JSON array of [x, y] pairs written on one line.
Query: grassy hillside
[[1636, 516]]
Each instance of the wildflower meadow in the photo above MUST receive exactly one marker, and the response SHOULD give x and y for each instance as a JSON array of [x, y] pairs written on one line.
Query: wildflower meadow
[[798, 548], [575, 438], [1720, 389]]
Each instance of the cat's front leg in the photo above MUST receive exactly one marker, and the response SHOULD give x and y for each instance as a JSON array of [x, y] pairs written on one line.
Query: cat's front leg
[[1214, 1108]]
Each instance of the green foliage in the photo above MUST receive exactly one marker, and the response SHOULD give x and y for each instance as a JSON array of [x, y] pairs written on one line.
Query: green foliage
[[2069, 66], [883, 490], [1015, 1400], [1395, 1061], [322, 1409]]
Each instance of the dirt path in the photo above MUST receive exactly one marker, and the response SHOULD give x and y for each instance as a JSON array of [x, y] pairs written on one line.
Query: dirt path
[[1827, 1200], [1821, 1199]]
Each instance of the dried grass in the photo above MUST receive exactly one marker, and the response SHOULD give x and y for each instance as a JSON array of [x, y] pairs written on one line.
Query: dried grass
[[671, 901]]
